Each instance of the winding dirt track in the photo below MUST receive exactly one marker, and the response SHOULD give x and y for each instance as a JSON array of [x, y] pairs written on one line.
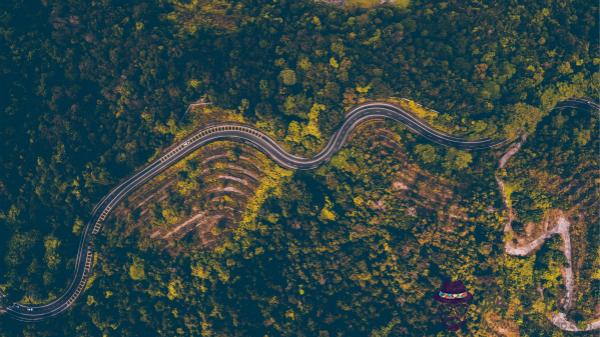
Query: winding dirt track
[[561, 227]]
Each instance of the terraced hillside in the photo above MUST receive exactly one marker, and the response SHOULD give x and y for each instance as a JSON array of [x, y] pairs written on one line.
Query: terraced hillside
[[202, 197], [223, 184]]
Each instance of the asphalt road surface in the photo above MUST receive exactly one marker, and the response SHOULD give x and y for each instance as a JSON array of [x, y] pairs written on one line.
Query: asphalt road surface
[[256, 138]]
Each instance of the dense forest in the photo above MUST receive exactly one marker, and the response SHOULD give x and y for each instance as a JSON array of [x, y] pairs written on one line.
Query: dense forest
[[93, 89]]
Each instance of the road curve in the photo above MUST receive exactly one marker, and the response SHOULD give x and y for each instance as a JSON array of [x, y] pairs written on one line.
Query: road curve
[[261, 141]]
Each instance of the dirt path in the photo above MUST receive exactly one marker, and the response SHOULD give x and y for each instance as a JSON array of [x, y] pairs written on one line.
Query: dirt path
[[561, 227], [503, 160], [183, 224]]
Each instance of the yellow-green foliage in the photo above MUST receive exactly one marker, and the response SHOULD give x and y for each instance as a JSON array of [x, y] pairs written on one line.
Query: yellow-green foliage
[[51, 256], [420, 111], [386, 331], [304, 64], [443, 122], [204, 115], [518, 278], [457, 159], [77, 226], [194, 83], [509, 188], [136, 270], [341, 161], [373, 3], [218, 15], [200, 271], [358, 201], [363, 90], [362, 3], [174, 289], [170, 127], [519, 273], [200, 117], [294, 132], [92, 277], [327, 213], [297, 132], [402, 3], [270, 185], [334, 63], [312, 128], [523, 118], [188, 186], [550, 277], [578, 85], [288, 77], [170, 216], [596, 266]]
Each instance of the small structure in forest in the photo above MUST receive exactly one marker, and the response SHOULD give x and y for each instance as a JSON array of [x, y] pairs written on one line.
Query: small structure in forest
[[454, 302], [202, 101]]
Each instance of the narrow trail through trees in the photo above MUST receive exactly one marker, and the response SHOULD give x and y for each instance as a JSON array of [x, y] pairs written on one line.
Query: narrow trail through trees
[[561, 227]]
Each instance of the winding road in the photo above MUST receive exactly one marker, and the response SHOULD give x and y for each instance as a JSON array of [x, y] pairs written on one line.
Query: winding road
[[560, 227], [246, 134]]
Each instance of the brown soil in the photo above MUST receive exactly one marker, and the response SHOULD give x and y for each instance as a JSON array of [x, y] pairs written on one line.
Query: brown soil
[[226, 176]]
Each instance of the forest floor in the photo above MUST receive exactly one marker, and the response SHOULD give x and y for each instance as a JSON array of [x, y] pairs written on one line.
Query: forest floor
[[414, 189]]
